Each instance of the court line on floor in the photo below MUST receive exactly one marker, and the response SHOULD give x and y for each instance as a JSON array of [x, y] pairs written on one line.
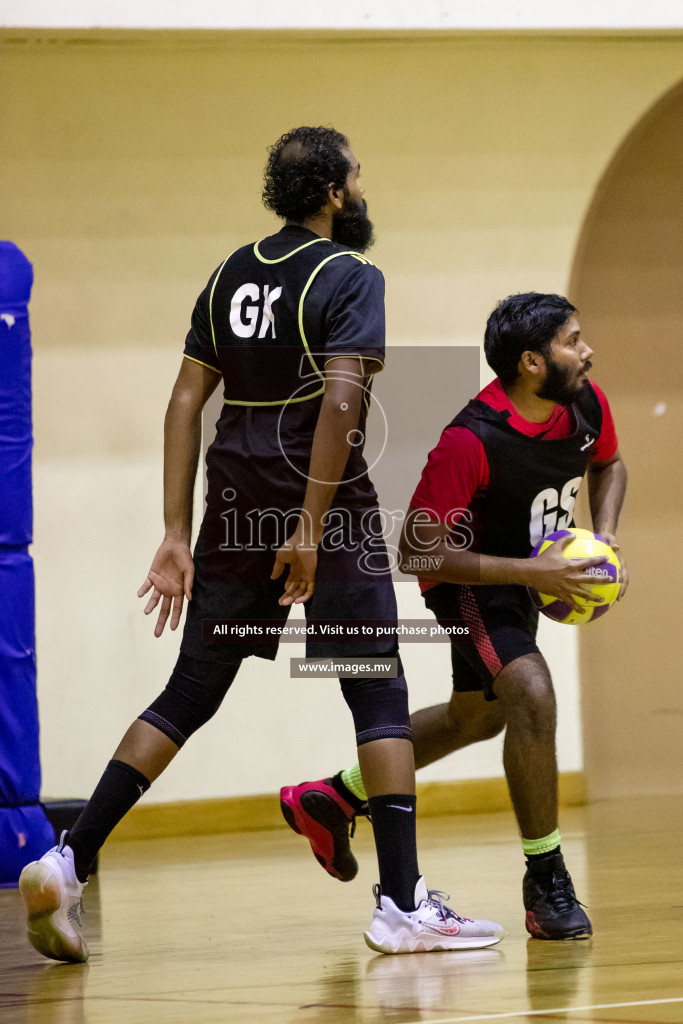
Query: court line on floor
[[551, 1011]]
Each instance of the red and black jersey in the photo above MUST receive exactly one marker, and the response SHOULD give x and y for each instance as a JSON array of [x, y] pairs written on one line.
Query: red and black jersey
[[510, 481]]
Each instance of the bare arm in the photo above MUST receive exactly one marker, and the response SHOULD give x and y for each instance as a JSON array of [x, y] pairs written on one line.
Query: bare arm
[[606, 492], [172, 571], [549, 573], [334, 432]]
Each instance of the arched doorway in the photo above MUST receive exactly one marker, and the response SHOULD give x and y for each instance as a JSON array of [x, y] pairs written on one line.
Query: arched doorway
[[627, 282]]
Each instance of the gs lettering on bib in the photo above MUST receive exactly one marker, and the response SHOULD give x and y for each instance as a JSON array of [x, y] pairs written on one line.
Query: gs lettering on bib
[[533, 481], [551, 511]]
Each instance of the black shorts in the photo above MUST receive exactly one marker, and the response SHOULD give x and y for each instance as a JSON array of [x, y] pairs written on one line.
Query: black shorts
[[502, 622], [350, 601]]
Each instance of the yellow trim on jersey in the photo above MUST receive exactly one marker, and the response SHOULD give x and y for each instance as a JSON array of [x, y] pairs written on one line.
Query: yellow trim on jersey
[[363, 360], [334, 255], [207, 365], [287, 401], [346, 252], [281, 259], [213, 288]]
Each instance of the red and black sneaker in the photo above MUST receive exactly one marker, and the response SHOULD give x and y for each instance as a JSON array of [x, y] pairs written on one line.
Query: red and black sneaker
[[317, 811], [552, 909]]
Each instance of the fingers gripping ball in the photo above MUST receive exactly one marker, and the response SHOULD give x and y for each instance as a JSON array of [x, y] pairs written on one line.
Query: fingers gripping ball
[[602, 581]]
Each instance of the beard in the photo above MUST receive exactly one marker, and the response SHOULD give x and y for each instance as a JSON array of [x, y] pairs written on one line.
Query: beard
[[352, 227], [560, 384]]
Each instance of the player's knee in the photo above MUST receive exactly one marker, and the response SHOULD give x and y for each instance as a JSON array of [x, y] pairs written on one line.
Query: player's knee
[[470, 718], [489, 723], [528, 698], [379, 708], [192, 696]]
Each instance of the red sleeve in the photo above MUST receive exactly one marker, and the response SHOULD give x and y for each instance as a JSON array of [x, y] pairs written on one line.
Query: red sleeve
[[607, 444], [456, 469]]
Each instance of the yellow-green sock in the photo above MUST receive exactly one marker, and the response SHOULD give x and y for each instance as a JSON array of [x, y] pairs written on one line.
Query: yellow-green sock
[[352, 779], [538, 847]]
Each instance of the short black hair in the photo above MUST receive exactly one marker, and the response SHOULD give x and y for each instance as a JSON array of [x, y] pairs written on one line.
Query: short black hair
[[522, 323], [301, 166]]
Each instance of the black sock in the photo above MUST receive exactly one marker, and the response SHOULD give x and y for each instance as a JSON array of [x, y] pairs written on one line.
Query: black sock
[[393, 822], [346, 794], [118, 790], [542, 865]]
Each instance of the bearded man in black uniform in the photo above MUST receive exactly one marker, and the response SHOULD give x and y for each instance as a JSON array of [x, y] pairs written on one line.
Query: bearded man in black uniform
[[293, 325]]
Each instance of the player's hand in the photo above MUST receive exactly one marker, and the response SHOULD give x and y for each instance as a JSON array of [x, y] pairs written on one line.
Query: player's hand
[[611, 539], [170, 579], [552, 573], [301, 556]]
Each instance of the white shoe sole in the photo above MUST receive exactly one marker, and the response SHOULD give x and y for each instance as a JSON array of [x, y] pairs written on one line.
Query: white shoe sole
[[41, 893], [403, 943]]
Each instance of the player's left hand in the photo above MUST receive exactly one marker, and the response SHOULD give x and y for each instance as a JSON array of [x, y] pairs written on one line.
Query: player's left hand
[[302, 558], [613, 543]]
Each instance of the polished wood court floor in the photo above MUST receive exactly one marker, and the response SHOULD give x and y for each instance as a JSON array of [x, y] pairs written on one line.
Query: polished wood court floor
[[247, 928]]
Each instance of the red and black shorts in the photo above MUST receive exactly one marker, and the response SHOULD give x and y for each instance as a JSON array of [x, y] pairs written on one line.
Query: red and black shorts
[[502, 626]]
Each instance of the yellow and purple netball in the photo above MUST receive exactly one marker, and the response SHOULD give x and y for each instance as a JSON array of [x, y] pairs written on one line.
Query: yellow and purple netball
[[602, 581]]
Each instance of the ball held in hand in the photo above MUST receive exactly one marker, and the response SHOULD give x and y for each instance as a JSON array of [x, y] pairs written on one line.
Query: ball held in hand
[[602, 581]]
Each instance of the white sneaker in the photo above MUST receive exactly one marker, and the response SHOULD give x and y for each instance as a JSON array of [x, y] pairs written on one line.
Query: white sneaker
[[431, 926], [52, 895]]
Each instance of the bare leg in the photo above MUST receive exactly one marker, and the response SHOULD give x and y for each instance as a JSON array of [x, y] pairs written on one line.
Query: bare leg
[[387, 766], [525, 693], [145, 748], [443, 728]]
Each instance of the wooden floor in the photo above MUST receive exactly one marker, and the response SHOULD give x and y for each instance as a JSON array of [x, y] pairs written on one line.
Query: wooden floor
[[247, 928]]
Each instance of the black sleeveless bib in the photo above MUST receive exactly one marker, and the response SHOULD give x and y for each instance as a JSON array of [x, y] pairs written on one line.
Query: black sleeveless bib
[[256, 309], [533, 482]]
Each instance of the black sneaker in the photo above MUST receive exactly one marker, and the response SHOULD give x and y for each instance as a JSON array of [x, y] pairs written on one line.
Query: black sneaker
[[552, 909]]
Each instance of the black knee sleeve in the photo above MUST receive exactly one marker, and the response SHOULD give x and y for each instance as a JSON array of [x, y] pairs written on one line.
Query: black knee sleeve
[[192, 696], [379, 708]]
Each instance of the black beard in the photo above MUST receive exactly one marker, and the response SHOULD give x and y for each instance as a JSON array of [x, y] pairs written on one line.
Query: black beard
[[352, 227], [557, 387]]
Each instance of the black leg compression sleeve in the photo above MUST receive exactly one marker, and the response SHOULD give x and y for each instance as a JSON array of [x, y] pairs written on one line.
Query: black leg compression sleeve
[[379, 708], [192, 696], [118, 790]]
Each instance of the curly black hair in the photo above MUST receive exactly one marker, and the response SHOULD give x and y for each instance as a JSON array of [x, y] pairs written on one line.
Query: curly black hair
[[519, 323], [301, 166]]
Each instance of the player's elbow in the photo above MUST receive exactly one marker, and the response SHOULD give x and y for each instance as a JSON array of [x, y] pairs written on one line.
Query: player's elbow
[[406, 552], [185, 403]]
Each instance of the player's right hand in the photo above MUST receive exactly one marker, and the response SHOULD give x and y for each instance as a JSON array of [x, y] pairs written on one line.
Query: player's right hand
[[170, 579], [552, 573]]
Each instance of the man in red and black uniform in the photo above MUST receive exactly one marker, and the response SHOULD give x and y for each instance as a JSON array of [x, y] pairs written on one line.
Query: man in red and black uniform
[[504, 474]]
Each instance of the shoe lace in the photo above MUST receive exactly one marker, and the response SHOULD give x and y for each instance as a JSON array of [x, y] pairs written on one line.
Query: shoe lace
[[75, 912], [561, 895], [438, 899], [365, 814]]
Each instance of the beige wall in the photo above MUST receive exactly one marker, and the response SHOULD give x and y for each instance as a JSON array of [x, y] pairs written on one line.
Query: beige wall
[[130, 166], [627, 279]]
